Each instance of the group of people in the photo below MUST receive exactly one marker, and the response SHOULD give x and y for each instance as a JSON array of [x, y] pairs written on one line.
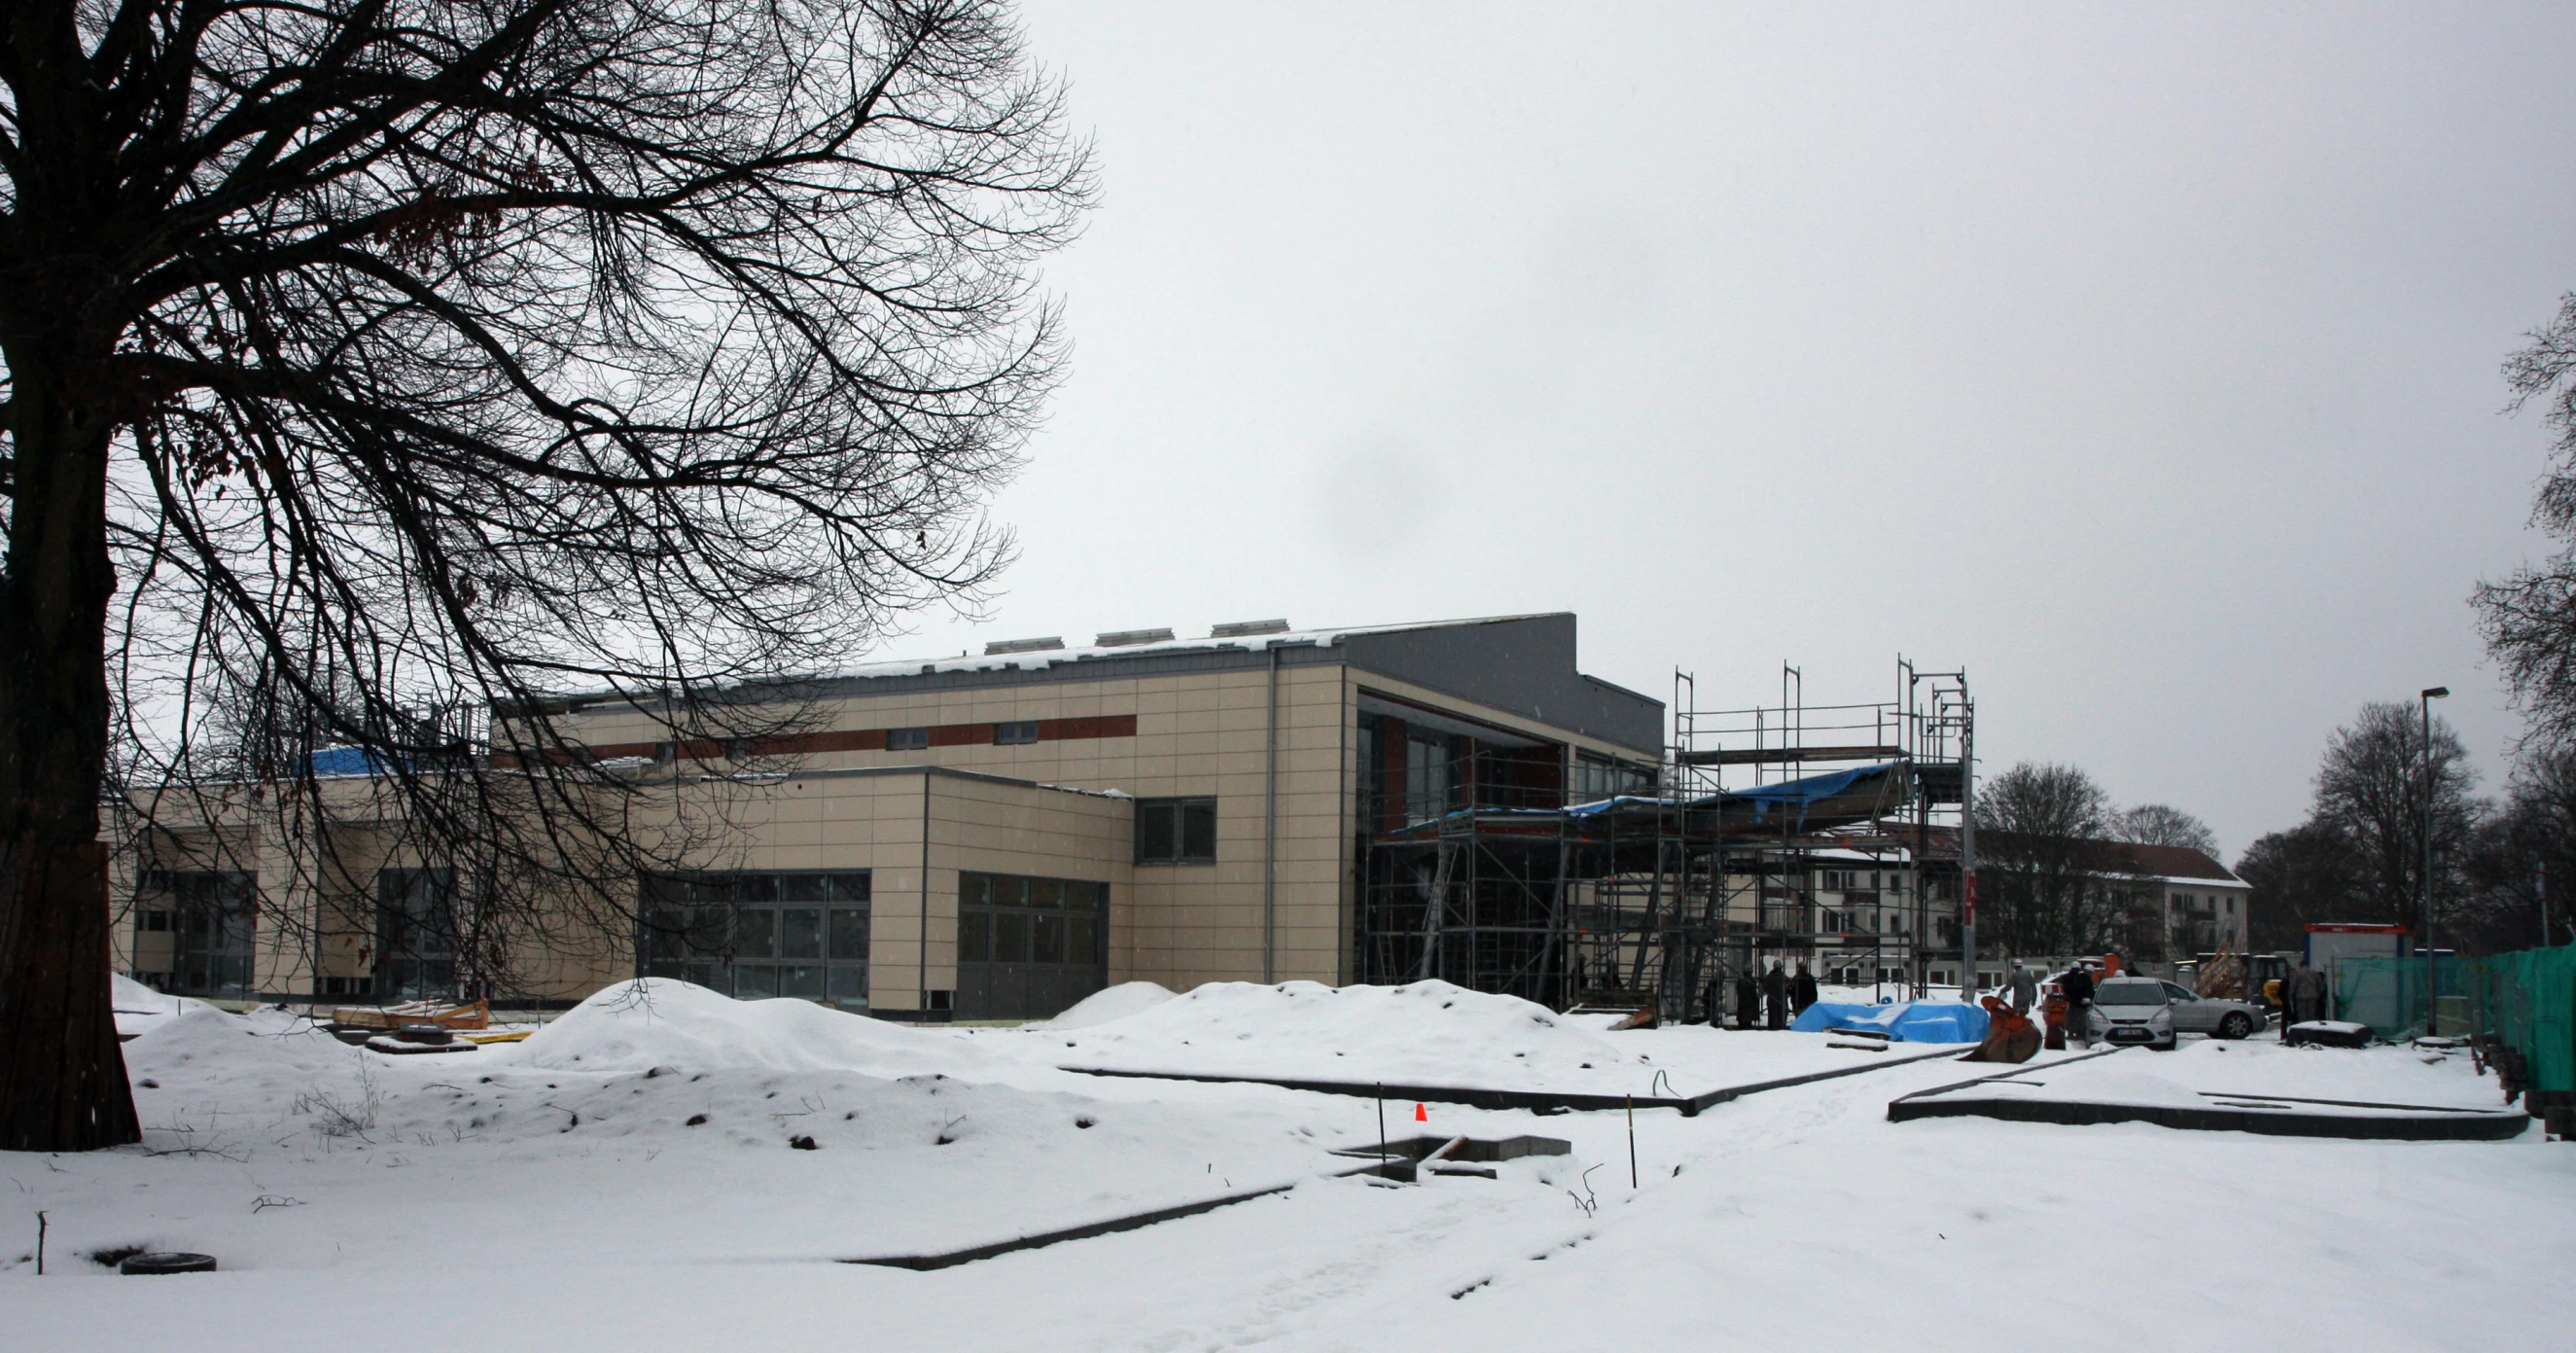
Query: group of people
[[1776, 997]]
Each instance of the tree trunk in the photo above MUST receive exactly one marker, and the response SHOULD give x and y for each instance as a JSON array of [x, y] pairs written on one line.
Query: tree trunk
[[62, 1076]]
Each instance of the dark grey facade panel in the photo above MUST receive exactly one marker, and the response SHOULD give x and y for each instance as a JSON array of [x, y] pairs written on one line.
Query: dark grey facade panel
[[1524, 665]]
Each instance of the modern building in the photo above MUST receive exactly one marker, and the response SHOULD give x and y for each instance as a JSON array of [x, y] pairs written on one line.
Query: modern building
[[983, 837]]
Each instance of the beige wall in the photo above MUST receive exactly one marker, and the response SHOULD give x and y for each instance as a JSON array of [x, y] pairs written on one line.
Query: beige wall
[[1197, 733]]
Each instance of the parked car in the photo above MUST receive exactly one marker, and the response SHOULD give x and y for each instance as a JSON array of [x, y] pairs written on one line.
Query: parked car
[[2216, 1016], [2132, 1010]]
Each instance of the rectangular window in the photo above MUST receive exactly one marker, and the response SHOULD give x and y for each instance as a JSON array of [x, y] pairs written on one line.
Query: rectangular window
[[212, 914], [1019, 734], [757, 935], [416, 933], [907, 739], [1027, 948], [1176, 831]]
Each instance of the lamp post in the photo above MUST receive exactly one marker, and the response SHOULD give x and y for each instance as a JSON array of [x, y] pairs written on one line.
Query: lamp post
[[2432, 989]]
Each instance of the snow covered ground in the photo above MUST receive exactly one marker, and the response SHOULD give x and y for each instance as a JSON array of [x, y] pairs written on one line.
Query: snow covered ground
[[556, 1195]]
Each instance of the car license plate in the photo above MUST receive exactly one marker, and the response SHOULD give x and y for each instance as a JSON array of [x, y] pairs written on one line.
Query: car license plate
[[2131, 1036]]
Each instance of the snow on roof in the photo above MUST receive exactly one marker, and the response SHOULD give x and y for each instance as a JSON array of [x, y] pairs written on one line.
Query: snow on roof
[[1041, 659]]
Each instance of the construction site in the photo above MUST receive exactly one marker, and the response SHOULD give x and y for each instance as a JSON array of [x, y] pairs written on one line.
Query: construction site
[[1828, 836]]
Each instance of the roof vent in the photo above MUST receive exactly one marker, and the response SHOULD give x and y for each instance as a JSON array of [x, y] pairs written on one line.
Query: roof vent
[[1123, 638], [1023, 645], [1244, 629]]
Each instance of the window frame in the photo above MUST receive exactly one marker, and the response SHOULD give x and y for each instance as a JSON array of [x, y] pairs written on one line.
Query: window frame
[[908, 739], [1016, 733], [1177, 829]]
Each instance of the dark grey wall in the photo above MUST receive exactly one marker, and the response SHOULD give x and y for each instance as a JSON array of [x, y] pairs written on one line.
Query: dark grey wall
[[1524, 665]]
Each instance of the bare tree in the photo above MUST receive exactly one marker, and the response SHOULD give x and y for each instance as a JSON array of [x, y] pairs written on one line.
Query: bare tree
[[2520, 870], [2300, 877], [2156, 824], [2529, 619], [2372, 793], [2042, 859], [374, 366]]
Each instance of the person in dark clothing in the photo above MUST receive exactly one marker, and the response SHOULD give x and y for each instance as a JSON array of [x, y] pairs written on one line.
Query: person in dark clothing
[[1748, 1000], [1803, 992], [2078, 986], [1775, 996]]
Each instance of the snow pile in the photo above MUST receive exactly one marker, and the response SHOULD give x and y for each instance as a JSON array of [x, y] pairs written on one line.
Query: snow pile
[[139, 1007], [1427, 1033], [1118, 1002], [659, 1022]]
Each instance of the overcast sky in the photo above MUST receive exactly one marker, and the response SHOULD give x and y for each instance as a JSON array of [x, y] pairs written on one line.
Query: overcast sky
[[2142, 360]]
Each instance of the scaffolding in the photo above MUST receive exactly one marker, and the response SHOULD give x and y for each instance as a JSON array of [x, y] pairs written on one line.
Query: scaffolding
[[1664, 900]]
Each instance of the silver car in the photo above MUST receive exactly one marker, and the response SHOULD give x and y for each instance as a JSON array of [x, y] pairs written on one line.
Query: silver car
[[2129, 1011], [2215, 1016]]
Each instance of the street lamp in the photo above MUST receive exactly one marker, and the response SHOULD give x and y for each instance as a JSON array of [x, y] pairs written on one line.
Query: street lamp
[[2432, 990]]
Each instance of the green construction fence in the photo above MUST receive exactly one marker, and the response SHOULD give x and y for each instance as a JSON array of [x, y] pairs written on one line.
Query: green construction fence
[[2528, 999]]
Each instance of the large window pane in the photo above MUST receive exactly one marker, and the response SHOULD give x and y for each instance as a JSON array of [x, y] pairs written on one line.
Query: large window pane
[[1198, 829], [975, 937], [753, 981], [800, 932], [1010, 937], [805, 888], [850, 984], [803, 980], [1046, 893], [1158, 837], [850, 933], [755, 933], [1046, 939], [1080, 943]]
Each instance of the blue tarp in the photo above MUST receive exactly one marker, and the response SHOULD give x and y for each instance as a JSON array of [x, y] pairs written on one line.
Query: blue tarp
[[1802, 795], [1914, 1022], [344, 761]]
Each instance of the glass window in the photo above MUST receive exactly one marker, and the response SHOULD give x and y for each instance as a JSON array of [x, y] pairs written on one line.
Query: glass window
[[728, 931], [1198, 829], [800, 932], [755, 933], [907, 739], [850, 934], [1010, 937], [1046, 893], [1046, 939], [975, 937], [1018, 734], [1176, 831]]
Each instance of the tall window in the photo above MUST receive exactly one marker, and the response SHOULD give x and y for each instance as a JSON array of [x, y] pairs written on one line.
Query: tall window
[[1176, 831], [1429, 777], [213, 914], [416, 939], [758, 935]]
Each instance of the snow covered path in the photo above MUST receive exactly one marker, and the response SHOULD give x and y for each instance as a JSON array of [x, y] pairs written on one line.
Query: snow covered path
[[1799, 1217]]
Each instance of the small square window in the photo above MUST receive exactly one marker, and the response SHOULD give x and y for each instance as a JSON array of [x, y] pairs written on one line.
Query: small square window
[[1176, 831], [1018, 734], [907, 739]]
